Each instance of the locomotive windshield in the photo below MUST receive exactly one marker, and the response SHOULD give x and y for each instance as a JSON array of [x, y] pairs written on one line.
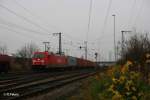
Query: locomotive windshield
[[38, 56]]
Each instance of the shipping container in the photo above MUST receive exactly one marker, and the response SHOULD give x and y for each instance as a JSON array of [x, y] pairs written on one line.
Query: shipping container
[[72, 61]]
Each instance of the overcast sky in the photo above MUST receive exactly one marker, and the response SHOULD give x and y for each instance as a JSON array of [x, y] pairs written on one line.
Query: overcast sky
[[26, 21]]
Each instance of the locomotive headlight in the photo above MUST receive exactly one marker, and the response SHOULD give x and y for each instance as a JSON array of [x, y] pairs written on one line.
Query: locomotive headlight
[[33, 61], [42, 61]]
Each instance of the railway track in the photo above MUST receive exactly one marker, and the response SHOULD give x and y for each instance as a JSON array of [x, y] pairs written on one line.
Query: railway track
[[41, 86], [5, 84], [13, 75], [11, 83]]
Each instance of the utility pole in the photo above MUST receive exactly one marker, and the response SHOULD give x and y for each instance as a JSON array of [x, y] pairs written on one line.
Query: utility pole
[[110, 56], [60, 45], [122, 44], [46, 45], [117, 51], [86, 50], [114, 39], [85, 47]]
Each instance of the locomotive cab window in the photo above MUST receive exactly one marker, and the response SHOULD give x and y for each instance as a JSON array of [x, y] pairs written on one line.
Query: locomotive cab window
[[38, 56]]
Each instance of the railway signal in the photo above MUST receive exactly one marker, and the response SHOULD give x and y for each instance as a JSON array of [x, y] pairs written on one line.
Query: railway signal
[[85, 47]]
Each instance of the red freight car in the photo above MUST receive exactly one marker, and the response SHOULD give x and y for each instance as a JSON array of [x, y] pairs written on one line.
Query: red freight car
[[81, 62], [85, 63], [57, 61], [4, 63], [91, 64], [46, 60]]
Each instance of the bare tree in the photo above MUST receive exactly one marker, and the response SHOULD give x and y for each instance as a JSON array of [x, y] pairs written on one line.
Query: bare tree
[[27, 50], [3, 49], [136, 48]]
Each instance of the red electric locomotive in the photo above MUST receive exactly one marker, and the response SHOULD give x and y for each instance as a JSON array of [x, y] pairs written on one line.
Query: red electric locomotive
[[46, 60]]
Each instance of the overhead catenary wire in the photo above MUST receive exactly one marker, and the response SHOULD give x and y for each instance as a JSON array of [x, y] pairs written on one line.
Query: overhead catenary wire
[[13, 26], [18, 33], [71, 37], [24, 18], [2, 21], [132, 11], [36, 16], [105, 19], [138, 13], [89, 19], [70, 43], [33, 14], [22, 36], [75, 46], [106, 16], [104, 24]]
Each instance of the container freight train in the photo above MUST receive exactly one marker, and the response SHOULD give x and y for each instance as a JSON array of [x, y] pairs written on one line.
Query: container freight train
[[46, 60]]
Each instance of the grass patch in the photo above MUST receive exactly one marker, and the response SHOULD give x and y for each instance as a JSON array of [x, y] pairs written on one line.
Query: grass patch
[[117, 83]]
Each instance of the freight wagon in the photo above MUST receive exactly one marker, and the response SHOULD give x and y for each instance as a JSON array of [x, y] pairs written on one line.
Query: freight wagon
[[11, 63], [55, 61], [4, 63], [85, 63]]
